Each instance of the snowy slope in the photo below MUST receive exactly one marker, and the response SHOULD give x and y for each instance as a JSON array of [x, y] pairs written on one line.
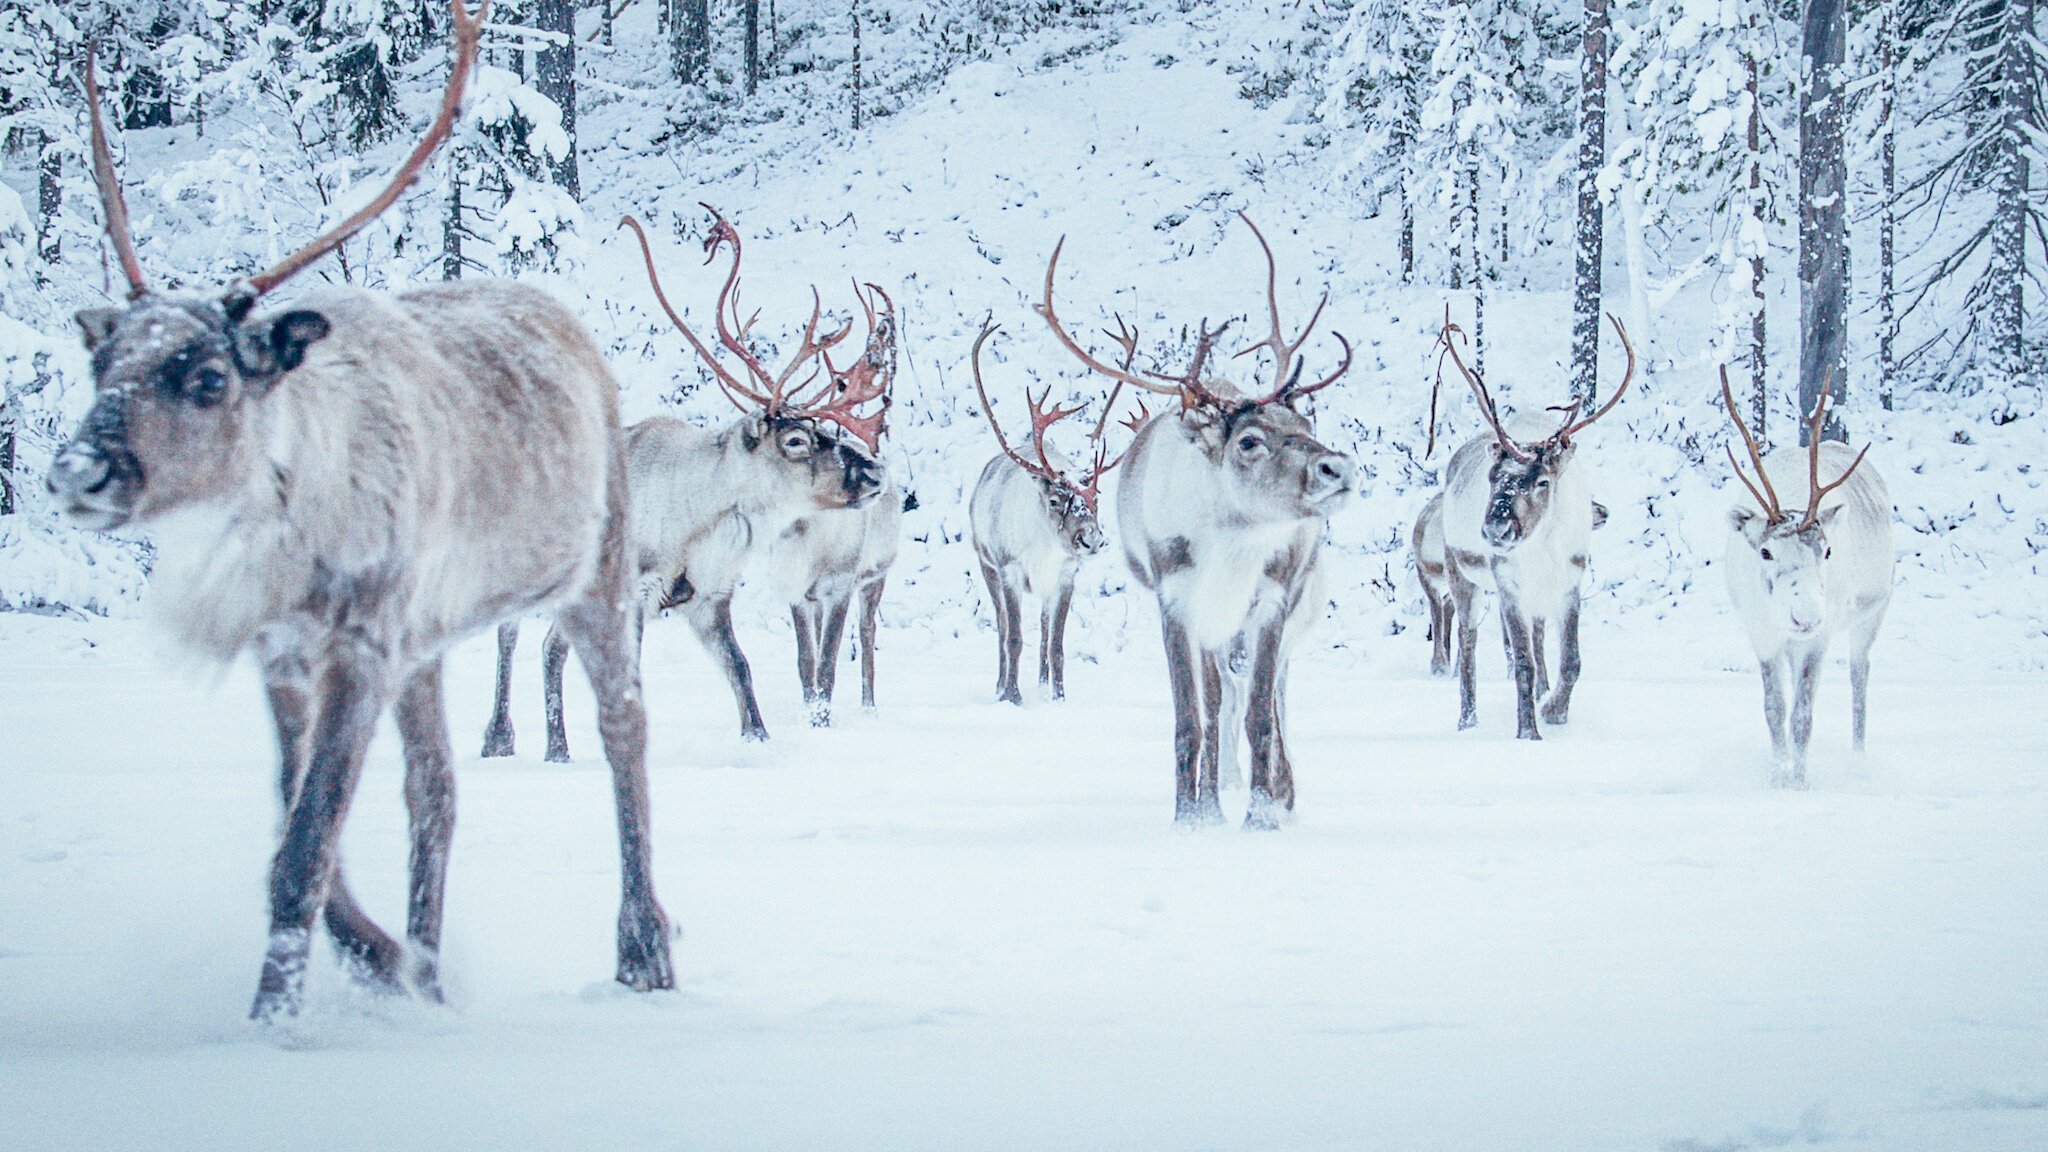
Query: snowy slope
[[958, 925]]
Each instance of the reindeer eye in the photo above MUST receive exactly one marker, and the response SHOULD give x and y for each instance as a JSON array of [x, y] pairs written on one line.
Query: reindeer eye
[[206, 386], [1249, 444], [1767, 553]]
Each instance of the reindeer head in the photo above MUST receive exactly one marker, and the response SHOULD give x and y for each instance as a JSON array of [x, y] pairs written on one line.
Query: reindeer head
[[1263, 447], [1790, 547], [177, 376], [1523, 476], [1070, 500], [812, 434]]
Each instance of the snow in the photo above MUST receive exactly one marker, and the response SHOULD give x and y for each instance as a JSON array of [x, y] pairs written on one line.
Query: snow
[[962, 925]]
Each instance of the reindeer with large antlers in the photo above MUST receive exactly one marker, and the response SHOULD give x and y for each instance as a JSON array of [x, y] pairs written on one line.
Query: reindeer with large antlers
[[706, 501], [349, 485], [1799, 575], [1517, 513], [1033, 516], [1222, 509]]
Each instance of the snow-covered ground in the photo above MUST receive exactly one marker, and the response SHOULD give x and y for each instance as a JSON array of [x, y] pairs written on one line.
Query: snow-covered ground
[[957, 924]]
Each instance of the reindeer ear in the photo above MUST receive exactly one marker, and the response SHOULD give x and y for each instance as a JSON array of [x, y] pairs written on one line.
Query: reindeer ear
[[97, 324], [1827, 516], [271, 347], [1748, 521], [753, 430]]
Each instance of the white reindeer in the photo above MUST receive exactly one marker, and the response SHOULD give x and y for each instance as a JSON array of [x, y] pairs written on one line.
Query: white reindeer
[[1517, 514], [1034, 521], [348, 487], [820, 565], [1432, 571], [1798, 576], [1222, 511], [706, 501]]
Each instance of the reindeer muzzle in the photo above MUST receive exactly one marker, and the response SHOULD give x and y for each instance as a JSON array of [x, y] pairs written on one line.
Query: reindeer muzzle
[[90, 484], [1330, 478], [863, 478]]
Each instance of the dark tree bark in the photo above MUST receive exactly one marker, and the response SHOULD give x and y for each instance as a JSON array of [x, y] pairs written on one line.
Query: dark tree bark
[[1591, 225], [690, 40], [555, 78], [2008, 268], [1759, 394], [855, 6], [1887, 208], [49, 205], [1478, 257], [451, 228], [1823, 240], [750, 13]]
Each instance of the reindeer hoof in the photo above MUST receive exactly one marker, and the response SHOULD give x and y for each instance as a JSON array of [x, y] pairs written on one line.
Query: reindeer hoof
[[1198, 815], [1557, 715], [1465, 722], [644, 961], [755, 735], [557, 754], [497, 740], [1264, 815]]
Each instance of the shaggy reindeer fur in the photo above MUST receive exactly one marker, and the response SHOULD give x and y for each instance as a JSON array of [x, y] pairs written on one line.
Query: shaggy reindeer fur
[[348, 487]]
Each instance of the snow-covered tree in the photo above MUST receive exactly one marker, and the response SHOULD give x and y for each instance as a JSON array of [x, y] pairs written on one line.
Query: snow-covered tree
[[1374, 102]]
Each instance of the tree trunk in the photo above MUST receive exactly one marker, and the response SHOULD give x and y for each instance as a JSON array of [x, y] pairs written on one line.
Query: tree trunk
[[1759, 392], [1478, 281], [451, 228], [690, 40], [750, 11], [1823, 246], [1887, 208], [555, 78], [855, 6], [2008, 268], [1591, 226], [49, 205], [1407, 236]]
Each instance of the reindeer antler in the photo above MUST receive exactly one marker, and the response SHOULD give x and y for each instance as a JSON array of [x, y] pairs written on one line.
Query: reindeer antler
[[1819, 490], [467, 29], [1190, 392], [1479, 390], [729, 384], [869, 378], [1570, 428], [1286, 373], [113, 204], [1768, 498]]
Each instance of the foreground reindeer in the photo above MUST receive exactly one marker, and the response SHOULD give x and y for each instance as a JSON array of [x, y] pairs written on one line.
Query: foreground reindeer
[[1033, 523], [1432, 571], [1800, 575], [349, 486], [706, 501], [1517, 514], [825, 560], [1222, 511]]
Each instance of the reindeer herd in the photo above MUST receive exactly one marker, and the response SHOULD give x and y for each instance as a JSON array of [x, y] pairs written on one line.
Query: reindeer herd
[[350, 484]]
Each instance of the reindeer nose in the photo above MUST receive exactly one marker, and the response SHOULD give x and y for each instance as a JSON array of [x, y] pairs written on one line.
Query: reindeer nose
[[1333, 473], [79, 470]]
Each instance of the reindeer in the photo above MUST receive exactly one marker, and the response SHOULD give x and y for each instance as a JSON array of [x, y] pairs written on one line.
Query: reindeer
[[1034, 521], [1517, 512], [1222, 511], [348, 486], [706, 501], [1797, 576], [820, 565], [1432, 571]]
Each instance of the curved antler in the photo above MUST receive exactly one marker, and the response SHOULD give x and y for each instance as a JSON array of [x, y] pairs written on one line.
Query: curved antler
[[1768, 498], [1570, 428], [467, 30], [1819, 490], [113, 204], [1286, 373], [1188, 391], [1479, 390], [869, 379], [728, 383]]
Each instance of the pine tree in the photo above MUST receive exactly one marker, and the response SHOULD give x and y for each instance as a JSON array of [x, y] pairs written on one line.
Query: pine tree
[[1590, 226], [555, 78], [1823, 232], [1379, 61]]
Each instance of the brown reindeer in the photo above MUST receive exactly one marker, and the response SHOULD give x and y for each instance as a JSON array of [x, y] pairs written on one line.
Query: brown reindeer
[[348, 486]]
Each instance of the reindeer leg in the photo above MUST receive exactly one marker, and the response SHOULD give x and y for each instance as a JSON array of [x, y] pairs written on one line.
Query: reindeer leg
[[1230, 726], [1468, 650], [996, 607], [1262, 725], [1283, 765], [1773, 670], [1213, 733], [1557, 709], [1523, 660], [352, 689], [1013, 639], [833, 630], [430, 812], [1859, 680], [803, 618], [498, 739], [554, 653], [603, 629], [1187, 725], [371, 954], [1439, 632], [1056, 640], [710, 615], [1805, 678], [870, 610], [1536, 650]]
